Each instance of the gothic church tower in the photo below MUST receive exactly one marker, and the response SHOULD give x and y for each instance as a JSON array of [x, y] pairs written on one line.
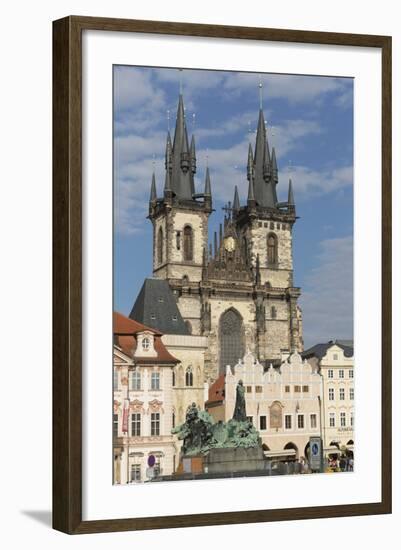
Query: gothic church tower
[[239, 290]]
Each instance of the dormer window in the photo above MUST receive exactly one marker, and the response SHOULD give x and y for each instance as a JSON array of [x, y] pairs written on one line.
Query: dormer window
[[145, 344], [174, 317], [153, 315]]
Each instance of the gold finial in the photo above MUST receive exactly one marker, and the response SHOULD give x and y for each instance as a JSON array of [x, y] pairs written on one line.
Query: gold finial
[[260, 92], [193, 121], [207, 158]]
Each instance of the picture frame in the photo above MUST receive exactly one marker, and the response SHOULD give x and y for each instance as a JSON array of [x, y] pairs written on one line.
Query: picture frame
[[68, 260]]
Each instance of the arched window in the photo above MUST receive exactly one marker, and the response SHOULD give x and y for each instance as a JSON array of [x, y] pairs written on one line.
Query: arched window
[[231, 338], [188, 243], [189, 327], [189, 377], [160, 246], [173, 378], [271, 249]]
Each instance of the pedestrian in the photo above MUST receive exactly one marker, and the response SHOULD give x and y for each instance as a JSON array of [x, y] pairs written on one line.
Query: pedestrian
[[351, 464]]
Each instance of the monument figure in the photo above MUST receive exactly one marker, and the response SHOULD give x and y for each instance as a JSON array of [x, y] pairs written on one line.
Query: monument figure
[[239, 409]]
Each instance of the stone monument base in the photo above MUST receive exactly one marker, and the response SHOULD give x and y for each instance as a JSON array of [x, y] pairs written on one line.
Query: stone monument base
[[235, 459]]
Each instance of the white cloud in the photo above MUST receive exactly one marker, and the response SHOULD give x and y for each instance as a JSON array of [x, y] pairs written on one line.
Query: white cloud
[[294, 88], [327, 296], [309, 182], [133, 88]]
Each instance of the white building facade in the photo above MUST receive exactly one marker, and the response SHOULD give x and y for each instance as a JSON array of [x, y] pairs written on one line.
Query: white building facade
[[284, 404], [335, 361], [143, 411]]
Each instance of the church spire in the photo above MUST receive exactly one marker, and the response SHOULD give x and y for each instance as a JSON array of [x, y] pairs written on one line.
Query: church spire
[[192, 155], [169, 151], [153, 196], [208, 188], [182, 183], [250, 163], [291, 201], [236, 203]]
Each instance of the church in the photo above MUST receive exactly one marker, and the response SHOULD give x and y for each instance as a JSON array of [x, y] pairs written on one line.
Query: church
[[235, 287]]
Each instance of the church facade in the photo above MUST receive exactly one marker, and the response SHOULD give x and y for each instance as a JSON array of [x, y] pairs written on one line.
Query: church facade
[[236, 288]]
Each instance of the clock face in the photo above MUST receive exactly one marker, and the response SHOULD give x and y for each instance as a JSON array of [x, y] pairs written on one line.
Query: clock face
[[229, 244]]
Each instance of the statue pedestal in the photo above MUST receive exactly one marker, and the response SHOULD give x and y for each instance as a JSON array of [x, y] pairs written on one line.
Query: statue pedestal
[[235, 459]]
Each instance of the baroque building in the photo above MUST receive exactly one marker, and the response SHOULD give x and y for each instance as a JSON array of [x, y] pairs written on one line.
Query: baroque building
[[237, 290], [143, 407], [335, 361]]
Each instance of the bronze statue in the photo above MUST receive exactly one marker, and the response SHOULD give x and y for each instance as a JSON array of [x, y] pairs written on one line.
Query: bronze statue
[[239, 409]]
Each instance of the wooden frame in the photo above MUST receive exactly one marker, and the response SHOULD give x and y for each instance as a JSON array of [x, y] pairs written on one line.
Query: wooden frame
[[67, 274]]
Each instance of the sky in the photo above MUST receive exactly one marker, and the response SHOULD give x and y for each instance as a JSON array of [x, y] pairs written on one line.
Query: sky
[[310, 124]]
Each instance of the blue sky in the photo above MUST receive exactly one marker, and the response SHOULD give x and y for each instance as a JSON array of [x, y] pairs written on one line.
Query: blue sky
[[310, 123]]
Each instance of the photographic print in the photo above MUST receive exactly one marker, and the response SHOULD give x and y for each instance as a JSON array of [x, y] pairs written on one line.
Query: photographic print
[[233, 275]]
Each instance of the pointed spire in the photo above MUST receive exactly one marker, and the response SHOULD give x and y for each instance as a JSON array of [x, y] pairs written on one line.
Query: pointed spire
[[250, 163], [181, 177], [274, 166], [251, 192], [169, 150], [208, 188], [153, 196], [263, 190], [215, 244], [192, 155], [236, 203], [291, 201]]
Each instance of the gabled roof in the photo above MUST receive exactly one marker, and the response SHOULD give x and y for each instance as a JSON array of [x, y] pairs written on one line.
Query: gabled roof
[[217, 391], [125, 337], [320, 350], [124, 325], [156, 307]]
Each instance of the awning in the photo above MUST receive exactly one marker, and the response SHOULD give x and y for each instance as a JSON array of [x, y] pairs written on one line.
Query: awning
[[284, 452]]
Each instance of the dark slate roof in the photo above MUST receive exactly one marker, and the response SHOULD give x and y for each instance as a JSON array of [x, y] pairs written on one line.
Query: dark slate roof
[[156, 307], [319, 350]]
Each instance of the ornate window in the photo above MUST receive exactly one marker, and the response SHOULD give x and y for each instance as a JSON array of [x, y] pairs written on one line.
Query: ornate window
[[189, 326], [160, 246], [231, 338], [188, 243], [135, 380], [155, 381], [155, 424], [136, 424], [271, 249], [189, 377]]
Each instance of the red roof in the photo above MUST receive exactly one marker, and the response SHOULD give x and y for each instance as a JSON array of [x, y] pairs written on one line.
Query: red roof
[[125, 336], [125, 325], [217, 390]]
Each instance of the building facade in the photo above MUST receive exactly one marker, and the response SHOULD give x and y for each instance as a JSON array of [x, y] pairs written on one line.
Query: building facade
[[335, 362], [156, 307], [239, 291], [284, 403], [143, 414]]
